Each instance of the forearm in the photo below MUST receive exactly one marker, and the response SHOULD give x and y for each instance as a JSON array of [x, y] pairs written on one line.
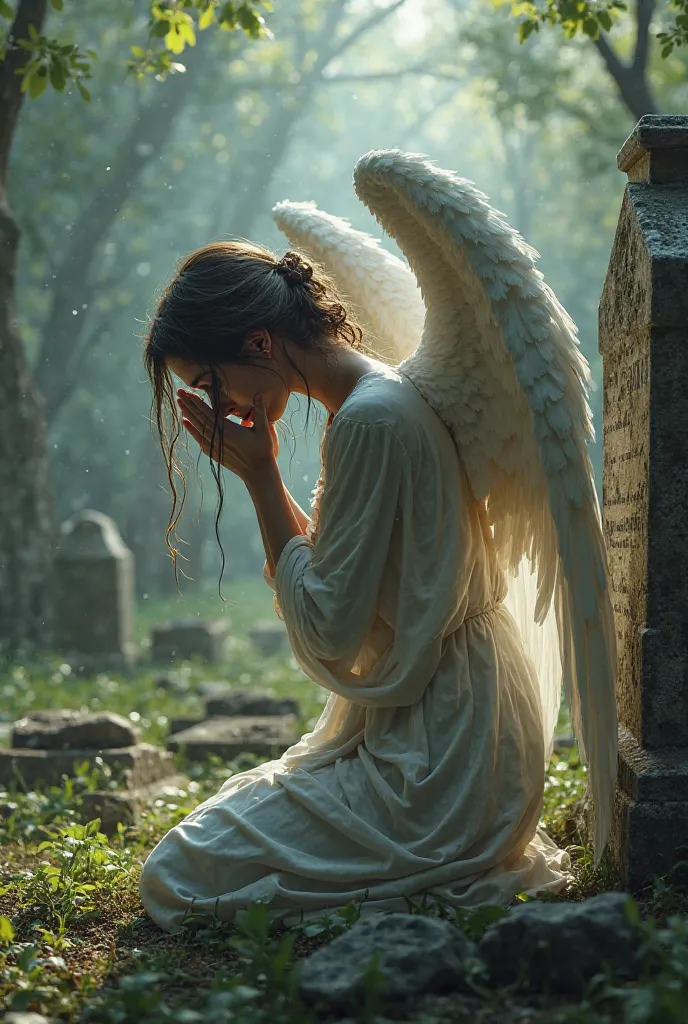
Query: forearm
[[277, 517], [301, 518]]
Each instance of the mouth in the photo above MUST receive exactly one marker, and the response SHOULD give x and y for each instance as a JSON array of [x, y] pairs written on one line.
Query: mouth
[[230, 410]]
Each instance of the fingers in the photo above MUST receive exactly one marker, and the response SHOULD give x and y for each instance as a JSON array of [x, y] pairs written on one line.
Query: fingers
[[196, 434]]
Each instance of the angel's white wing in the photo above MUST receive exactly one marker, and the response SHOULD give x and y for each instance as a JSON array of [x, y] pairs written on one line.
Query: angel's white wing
[[389, 304], [500, 363], [378, 284]]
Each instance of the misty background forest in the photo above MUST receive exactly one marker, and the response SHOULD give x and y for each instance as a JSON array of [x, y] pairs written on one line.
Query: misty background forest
[[131, 133], [111, 193]]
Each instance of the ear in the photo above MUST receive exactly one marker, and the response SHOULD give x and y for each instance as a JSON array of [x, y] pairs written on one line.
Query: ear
[[258, 342]]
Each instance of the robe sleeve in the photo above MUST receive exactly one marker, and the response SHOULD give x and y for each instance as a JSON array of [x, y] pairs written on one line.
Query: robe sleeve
[[328, 593]]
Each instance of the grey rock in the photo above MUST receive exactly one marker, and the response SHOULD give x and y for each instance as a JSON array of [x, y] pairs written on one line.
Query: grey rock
[[267, 736], [416, 954], [561, 946], [189, 638], [249, 702], [65, 729]]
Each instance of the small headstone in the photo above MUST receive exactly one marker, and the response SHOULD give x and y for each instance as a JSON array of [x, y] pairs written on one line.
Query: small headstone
[[269, 637], [71, 730], [94, 584], [249, 702], [189, 638], [267, 736], [416, 955], [527, 944]]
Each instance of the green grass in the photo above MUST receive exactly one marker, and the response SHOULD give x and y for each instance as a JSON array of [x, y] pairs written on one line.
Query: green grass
[[75, 942]]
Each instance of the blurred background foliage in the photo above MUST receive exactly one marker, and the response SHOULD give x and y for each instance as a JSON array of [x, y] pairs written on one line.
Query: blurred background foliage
[[110, 193]]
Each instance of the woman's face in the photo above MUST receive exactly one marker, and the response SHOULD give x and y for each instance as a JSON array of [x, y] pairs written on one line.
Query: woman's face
[[238, 383]]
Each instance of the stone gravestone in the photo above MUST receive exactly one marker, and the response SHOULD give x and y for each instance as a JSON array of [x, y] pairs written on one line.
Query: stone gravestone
[[189, 638], [226, 737], [643, 321], [94, 580], [269, 637], [223, 700], [48, 744]]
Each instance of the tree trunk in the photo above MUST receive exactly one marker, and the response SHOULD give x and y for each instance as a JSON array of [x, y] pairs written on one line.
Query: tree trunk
[[28, 524], [28, 521]]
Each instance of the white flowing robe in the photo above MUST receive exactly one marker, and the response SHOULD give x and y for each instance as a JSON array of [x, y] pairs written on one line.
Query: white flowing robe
[[425, 771]]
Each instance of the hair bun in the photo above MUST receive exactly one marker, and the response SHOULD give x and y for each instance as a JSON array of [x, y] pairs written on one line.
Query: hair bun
[[294, 269]]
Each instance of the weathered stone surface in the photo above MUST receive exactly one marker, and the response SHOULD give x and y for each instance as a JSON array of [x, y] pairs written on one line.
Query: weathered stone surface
[[26, 1018], [180, 722], [134, 766], [249, 702], [267, 736], [270, 637], [416, 955], [560, 946], [94, 606], [124, 806], [64, 729], [643, 330], [189, 638], [216, 688]]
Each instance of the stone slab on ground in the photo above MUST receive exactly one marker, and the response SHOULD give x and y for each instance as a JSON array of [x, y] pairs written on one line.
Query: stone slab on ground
[[189, 638], [269, 636], [559, 947], [232, 702], [125, 806], [137, 766], [227, 737], [180, 722], [417, 955], [25, 1018], [66, 729]]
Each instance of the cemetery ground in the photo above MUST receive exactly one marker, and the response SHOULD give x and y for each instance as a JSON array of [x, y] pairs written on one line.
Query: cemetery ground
[[75, 943]]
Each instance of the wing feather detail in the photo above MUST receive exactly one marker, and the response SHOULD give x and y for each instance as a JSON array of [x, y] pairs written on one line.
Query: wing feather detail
[[380, 287], [499, 361]]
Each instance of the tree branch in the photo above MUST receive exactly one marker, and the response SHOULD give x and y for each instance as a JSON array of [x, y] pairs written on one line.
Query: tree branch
[[366, 25], [29, 12], [644, 15], [631, 80]]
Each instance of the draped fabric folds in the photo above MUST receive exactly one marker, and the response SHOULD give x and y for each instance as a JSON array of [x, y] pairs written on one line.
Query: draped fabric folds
[[425, 771]]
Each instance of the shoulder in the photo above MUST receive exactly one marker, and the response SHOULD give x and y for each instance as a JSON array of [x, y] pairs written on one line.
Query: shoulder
[[381, 399]]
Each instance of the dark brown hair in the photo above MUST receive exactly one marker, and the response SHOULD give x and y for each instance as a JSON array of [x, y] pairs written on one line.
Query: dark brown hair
[[220, 294]]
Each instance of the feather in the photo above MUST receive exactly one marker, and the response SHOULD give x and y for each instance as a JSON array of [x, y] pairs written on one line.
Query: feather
[[498, 359]]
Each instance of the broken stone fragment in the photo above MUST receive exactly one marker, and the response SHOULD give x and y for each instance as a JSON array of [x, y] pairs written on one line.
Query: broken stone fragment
[[559, 947], [415, 955], [227, 737], [133, 766], [65, 729]]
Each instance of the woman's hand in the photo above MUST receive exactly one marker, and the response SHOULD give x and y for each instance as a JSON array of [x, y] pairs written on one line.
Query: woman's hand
[[244, 449]]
